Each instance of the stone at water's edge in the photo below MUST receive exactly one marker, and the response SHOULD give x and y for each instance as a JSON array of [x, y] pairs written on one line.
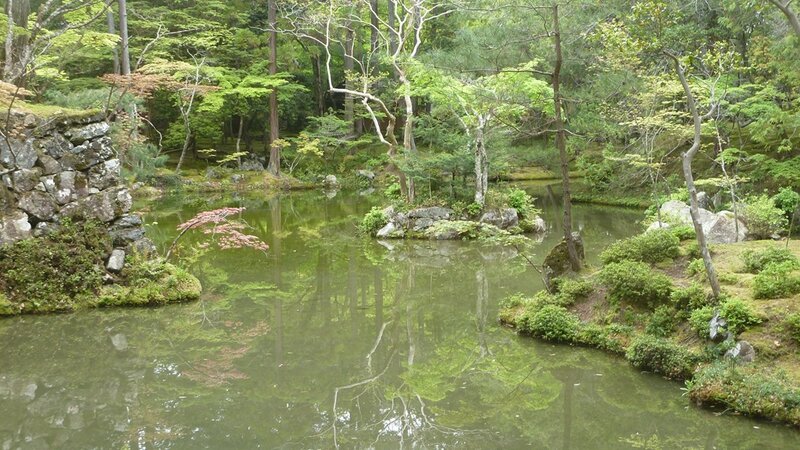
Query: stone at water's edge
[[503, 219], [557, 263], [116, 261]]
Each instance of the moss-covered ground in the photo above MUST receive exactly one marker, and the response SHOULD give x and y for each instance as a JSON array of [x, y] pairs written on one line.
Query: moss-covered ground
[[65, 271], [661, 326]]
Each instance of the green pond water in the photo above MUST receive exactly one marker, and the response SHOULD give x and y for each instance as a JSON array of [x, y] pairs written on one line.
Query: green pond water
[[334, 340]]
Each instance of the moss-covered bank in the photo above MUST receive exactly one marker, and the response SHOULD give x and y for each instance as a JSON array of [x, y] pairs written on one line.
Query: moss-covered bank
[[649, 302], [65, 271]]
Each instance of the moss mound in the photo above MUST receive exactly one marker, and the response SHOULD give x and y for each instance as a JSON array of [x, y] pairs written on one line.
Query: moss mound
[[150, 283]]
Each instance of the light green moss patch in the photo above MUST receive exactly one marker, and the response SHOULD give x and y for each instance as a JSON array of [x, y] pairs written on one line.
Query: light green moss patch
[[151, 283]]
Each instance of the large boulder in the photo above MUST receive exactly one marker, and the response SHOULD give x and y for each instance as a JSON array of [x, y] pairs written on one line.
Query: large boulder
[[104, 206], [127, 230], [723, 229], [742, 353], [103, 176], [504, 218], [54, 145], [557, 262], [14, 226]]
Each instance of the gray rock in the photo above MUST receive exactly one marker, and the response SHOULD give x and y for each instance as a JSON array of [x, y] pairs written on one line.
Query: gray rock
[[24, 180], [434, 213], [29, 121], [143, 246], [44, 228], [129, 220], [423, 224], [127, 229], [539, 226], [722, 230], [107, 205], [657, 226], [88, 154], [21, 154], [103, 176], [503, 219], [703, 200], [49, 184], [237, 178], [252, 165], [87, 132], [55, 145], [40, 205], [390, 230], [366, 174], [116, 261], [62, 196], [49, 164], [14, 226], [742, 352], [330, 181], [718, 328]]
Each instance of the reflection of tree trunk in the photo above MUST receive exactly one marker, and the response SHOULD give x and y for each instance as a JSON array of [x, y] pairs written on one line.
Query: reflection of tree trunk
[[412, 347], [378, 298], [569, 388], [352, 292], [275, 248], [481, 308]]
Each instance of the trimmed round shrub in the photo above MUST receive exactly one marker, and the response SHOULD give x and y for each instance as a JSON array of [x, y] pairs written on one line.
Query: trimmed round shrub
[[651, 247], [763, 218], [551, 322], [777, 280], [738, 314], [661, 356], [683, 232], [571, 290], [756, 260], [636, 282]]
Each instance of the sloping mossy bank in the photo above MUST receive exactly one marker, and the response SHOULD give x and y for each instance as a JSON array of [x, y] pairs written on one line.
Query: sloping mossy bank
[[65, 271], [649, 303]]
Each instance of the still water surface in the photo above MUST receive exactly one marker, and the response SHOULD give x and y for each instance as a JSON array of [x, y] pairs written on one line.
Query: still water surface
[[333, 340]]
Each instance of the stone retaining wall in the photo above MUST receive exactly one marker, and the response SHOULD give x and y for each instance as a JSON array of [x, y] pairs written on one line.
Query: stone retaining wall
[[51, 169]]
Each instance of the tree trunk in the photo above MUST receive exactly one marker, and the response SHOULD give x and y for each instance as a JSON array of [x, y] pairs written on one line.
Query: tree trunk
[[391, 13], [319, 89], [123, 35], [374, 22], [349, 64], [239, 140], [17, 47], [481, 164], [687, 159], [561, 144], [787, 11], [274, 150], [113, 30], [409, 147]]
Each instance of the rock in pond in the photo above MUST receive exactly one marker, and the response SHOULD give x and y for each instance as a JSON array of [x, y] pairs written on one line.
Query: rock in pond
[[504, 218]]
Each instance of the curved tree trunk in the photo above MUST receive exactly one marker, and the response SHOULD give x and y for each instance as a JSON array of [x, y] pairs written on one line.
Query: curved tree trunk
[[787, 11], [687, 159]]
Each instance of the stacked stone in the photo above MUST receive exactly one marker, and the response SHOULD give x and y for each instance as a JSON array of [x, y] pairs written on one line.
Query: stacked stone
[[64, 168]]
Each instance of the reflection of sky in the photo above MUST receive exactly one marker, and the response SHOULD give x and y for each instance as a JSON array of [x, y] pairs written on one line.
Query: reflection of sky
[[444, 373]]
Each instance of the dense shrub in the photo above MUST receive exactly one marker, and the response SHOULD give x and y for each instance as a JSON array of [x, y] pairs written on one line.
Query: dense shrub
[[683, 232], [49, 274], [763, 218], [690, 297], [777, 280], [738, 314], [650, 247], [755, 394], [571, 290], [373, 221], [695, 267], [662, 322], [612, 338], [522, 202], [661, 356], [756, 260], [550, 322], [792, 326], [393, 191], [636, 282], [787, 201], [699, 320]]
